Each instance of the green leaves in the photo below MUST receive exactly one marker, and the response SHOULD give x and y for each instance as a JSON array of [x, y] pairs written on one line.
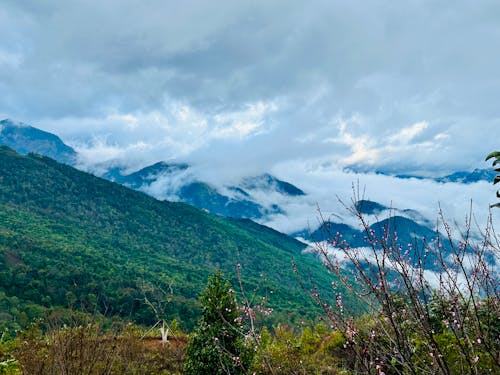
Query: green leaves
[[495, 155], [217, 345], [62, 230]]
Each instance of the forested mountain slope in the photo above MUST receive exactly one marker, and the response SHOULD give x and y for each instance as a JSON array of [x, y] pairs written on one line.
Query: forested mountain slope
[[68, 238]]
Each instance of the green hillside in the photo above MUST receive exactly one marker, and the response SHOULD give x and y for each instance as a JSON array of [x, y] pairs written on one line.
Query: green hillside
[[70, 239]]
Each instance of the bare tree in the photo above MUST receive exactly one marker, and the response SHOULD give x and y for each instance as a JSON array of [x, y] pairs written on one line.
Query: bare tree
[[433, 304], [157, 298]]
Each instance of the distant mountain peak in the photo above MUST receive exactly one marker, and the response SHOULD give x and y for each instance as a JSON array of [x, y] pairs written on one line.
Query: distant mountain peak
[[461, 177], [146, 175], [268, 182], [469, 177], [163, 167], [368, 207], [9, 122], [26, 139]]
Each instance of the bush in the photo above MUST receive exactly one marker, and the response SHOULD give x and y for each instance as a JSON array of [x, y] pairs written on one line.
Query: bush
[[311, 351]]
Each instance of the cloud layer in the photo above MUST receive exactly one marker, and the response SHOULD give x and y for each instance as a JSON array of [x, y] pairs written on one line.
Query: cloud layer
[[243, 87]]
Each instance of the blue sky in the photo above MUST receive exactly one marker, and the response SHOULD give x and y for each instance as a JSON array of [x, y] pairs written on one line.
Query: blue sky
[[242, 87]]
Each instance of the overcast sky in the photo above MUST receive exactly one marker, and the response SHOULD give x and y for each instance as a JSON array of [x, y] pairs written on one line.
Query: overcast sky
[[401, 86]]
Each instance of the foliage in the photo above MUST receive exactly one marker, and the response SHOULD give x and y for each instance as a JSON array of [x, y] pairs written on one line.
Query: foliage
[[217, 345], [312, 351], [496, 156], [8, 364], [69, 240]]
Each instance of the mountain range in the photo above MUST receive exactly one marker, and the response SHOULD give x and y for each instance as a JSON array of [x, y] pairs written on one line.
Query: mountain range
[[71, 240], [68, 238], [179, 182], [461, 177], [172, 181], [176, 182], [408, 224]]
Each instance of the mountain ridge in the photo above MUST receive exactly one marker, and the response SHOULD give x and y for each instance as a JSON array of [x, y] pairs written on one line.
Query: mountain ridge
[[161, 179], [67, 237], [25, 138]]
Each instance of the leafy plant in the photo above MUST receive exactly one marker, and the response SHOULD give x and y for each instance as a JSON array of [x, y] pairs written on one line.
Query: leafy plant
[[312, 350], [217, 345], [496, 156]]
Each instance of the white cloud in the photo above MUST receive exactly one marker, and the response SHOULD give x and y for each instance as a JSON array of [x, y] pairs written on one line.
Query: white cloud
[[325, 184], [172, 132], [407, 134], [250, 85], [241, 124], [363, 150]]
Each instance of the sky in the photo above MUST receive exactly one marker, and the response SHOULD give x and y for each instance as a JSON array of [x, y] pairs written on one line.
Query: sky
[[306, 90]]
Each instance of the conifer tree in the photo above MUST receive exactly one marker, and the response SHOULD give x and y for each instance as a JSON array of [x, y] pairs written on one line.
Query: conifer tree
[[217, 345]]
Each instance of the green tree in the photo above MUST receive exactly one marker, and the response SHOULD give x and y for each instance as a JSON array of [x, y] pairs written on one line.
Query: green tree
[[217, 345], [496, 156]]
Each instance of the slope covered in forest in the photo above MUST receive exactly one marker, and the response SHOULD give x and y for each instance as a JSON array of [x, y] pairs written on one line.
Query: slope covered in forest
[[70, 239]]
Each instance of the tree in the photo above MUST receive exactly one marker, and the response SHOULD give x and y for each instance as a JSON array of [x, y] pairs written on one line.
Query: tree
[[158, 300], [433, 304], [495, 155], [217, 345]]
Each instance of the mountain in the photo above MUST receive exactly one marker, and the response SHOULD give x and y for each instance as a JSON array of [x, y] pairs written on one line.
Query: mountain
[[144, 176], [70, 239], [170, 181], [469, 177], [367, 207], [25, 139], [329, 231], [407, 225], [462, 177], [175, 181], [269, 183], [406, 229], [207, 197]]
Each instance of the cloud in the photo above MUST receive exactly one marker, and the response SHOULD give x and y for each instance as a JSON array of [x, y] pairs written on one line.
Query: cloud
[[172, 132], [241, 124], [405, 135], [326, 184], [363, 150], [258, 82]]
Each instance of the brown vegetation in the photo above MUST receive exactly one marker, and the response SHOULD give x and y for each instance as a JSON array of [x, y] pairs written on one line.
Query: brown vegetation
[[89, 350]]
